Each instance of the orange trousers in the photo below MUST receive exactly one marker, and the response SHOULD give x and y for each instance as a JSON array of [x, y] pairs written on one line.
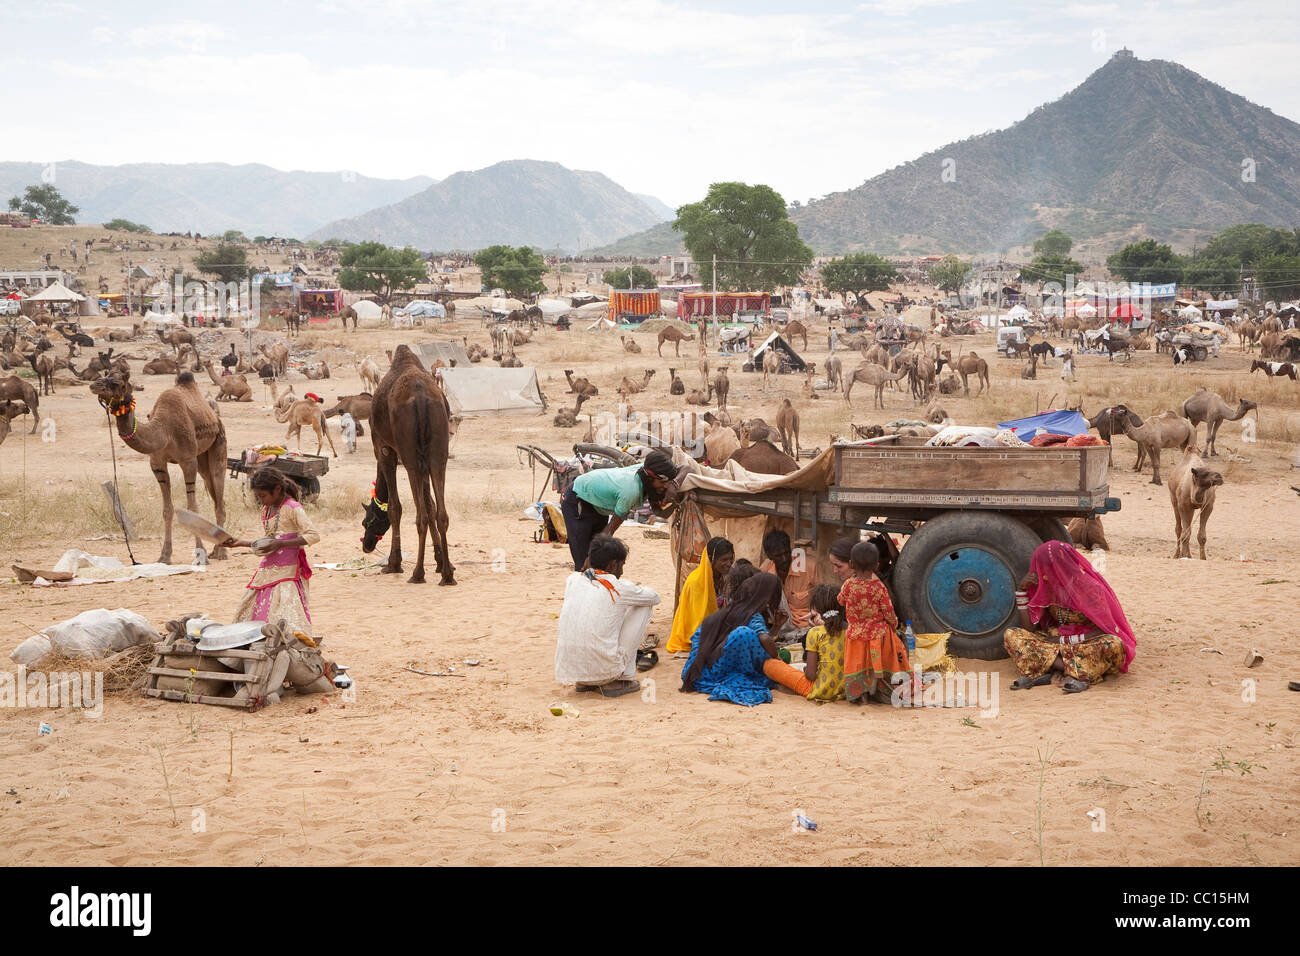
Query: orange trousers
[[787, 676]]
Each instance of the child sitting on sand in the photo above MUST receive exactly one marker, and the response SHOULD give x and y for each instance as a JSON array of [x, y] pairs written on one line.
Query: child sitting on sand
[[873, 651], [822, 677]]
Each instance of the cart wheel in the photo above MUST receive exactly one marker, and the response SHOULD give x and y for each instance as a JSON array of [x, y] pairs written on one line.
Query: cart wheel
[[311, 488], [1200, 353], [1049, 529], [959, 572]]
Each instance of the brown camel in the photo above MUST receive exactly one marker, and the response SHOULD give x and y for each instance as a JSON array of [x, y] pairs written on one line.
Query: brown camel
[[764, 458], [8, 412], [306, 411], [1030, 371], [1088, 532], [176, 338], [1209, 407], [874, 375], [1110, 422], [771, 365], [700, 396], [704, 361], [792, 328], [162, 365], [278, 356], [972, 364], [629, 344], [675, 385], [1166, 430], [369, 371], [671, 334], [720, 441], [410, 422], [349, 313], [280, 402], [231, 388], [44, 366], [787, 425], [15, 389], [721, 386], [358, 406], [568, 417], [580, 385], [628, 387], [1191, 486], [834, 372], [316, 372], [182, 429]]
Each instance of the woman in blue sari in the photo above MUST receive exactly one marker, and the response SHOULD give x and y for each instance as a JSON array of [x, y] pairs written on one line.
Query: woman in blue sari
[[729, 648]]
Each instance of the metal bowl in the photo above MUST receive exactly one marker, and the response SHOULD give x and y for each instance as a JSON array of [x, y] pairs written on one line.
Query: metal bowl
[[263, 546]]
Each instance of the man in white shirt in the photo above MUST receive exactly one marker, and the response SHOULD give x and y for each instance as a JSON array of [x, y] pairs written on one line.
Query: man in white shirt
[[602, 623]]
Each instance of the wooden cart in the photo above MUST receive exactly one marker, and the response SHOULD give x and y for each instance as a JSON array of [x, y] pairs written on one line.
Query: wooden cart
[[972, 518], [304, 469]]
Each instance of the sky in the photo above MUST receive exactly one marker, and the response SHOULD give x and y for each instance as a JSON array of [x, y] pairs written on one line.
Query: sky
[[664, 97]]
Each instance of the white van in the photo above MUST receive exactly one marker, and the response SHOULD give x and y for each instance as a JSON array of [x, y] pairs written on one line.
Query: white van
[[1009, 334]]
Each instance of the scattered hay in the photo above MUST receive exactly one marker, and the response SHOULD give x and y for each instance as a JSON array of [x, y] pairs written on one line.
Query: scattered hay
[[653, 326], [125, 672]]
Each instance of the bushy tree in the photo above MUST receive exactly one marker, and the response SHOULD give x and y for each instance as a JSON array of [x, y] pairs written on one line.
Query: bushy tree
[[233, 235], [1053, 243], [517, 270], [126, 225], [228, 263], [950, 274], [860, 273], [45, 203], [633, 277], [1146, 261], [380, 269], [748, 229], [1279, 276], [1050, 267]]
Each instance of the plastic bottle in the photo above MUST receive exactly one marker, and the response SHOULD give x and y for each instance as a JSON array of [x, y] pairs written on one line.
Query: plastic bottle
[[909, 640]]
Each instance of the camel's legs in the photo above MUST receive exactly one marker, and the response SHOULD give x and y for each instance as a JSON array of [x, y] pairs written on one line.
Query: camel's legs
[[190, 470], [1182, 530], [1200, 535], [322, 423], [1212, 436], [212, 469], [419, 495], [387, 481], [165, 487], [1154, 453]]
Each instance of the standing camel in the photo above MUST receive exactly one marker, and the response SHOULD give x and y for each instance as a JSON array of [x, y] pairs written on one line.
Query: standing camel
[[410, 424], [369, 374], [1209, 407], [670, 334], [972, 364], [14, 389], [1191, 486], [787, 424], [771, 365], [307, 411], [183, 429], [1166, 430], [834, 372], [874, 375], [721, 386]]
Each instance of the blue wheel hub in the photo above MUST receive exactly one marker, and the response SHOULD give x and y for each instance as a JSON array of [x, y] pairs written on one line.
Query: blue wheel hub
[[970, 590]]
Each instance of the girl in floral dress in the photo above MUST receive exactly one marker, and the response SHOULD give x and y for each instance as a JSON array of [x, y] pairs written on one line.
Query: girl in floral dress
[[873, 652], [279, 587]]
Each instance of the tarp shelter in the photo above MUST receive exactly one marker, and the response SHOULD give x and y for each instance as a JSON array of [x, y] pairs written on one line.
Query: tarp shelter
[[553, 306], [365, 309], [317, 301], [56, 292], [690, 304], [1018, 314], [1086, 311], [790, 359], [918, 316], [430, 352], [1126, 312], [633, 304], [1190, 312], [602, 325], [489, 303], [475, 391], [1221, 305], [158, 320], [1055, 423], [425, 309]]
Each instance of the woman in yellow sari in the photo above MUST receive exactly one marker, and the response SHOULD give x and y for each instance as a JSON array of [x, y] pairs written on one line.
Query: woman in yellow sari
[[700, 590]]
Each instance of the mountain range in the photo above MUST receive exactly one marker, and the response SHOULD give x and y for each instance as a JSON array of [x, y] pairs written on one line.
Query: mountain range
[[210, 197], [517, 202]]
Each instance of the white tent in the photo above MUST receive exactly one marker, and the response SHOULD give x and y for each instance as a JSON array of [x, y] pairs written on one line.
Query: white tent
[[426, 309], [553, 306], [56, 292], [430, 352], [1018, 313], [486, 391], [602, 325], [1189, 312], [154, 320], [1086, 311], [366, 309]]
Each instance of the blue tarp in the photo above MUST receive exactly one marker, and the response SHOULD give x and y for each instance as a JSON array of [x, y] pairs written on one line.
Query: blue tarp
[[1056, 423]]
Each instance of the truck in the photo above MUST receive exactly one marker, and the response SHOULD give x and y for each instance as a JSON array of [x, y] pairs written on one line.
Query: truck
[[969, 519]]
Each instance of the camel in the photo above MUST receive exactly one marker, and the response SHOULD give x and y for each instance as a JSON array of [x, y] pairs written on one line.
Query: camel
[[231, 388], [411, 425], [369, 374], [1030, 371], [1088, 532], [1271, 324], [44, 367], [568, 417], [874, 375], [349, 313], [704, 361], [162, 365], [1272, 369], [316, 372], [1247, 333], [1191, 487], [83, 375], [834, 372], [972, 364], [306, 411], [764, 458], [15, 389], [8, 412], [936, 414], [1270, 346], [787, 424], [921, 377], [629, 345], [1209, 407], [580, 385], [278, 356], [792, 328], [1166, 430], [721, 386], [877, 355], [628, 387], [675, 385], [720, 441], [358, 406], [771, 365], [1110, 422], [700, 396], [176, 338], [809, 385], [671, 334], [182, 429], [510, 361]]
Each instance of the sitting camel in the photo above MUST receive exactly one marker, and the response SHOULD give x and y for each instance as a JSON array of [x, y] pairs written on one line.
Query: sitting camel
[[675, 385], [580, 385], [629, 344], [1191, 486], [1088, 533], [764, 458], [671, 334], [1209, 407], [306, 411], [699, 396], [877, 376], [1166, 430], [568, 417], [628, 387]]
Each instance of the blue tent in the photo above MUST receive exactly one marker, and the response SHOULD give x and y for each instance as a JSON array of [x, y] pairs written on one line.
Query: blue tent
[[1056, 423]]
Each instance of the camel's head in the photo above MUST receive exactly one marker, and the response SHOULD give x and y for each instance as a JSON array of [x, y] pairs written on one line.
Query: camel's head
[[374, 525], [1205, 478], [11, 410], [1246, 405], [113, 389]]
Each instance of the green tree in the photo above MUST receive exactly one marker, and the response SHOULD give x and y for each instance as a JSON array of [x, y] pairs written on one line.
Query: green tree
[[747, 228], [45, 203], [1279, 277], [126, 225], [380, 269], [1050, 268], [1054, 243], [1146, 261], [633, 277], [1250, 243], [228, 263], [860, 273], [950, 274], [233, 235], [1201, 272], [517, 270]]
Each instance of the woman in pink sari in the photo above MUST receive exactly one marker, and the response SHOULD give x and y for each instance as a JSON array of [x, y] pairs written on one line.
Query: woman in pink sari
[[279, 586], [1071, 623]]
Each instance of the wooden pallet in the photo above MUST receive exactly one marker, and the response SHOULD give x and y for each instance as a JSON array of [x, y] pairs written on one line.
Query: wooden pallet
[[260, 671]]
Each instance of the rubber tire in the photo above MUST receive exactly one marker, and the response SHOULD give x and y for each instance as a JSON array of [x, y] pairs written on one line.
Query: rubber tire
[[1050, 528], [1010, 540], [310, 488]]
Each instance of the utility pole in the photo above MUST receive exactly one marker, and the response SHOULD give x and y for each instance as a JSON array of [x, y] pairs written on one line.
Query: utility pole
[[715, 295]]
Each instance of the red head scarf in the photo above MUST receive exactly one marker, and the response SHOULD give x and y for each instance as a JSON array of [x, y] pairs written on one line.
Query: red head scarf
[[1066, 579]]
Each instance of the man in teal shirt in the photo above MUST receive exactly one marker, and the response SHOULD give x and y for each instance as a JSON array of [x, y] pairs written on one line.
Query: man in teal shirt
[[599, 501]]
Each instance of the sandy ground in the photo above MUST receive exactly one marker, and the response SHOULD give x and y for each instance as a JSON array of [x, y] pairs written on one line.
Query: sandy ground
[[1186, 764]]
